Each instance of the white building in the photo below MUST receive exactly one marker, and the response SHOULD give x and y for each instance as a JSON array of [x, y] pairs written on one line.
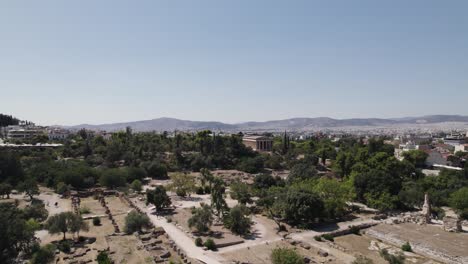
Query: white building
[[23, 131], [58, 134], [461, 147]]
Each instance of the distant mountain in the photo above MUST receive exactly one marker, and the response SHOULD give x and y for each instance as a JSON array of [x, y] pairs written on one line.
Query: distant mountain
[[303, 124]]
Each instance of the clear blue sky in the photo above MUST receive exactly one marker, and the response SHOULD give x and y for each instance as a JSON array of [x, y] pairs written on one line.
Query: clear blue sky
[[88, 61]]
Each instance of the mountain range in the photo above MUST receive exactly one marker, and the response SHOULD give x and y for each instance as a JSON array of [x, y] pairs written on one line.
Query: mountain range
[[295, 124]]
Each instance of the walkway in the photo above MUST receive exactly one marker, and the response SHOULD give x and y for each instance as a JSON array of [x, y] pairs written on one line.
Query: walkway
[[183, 241]]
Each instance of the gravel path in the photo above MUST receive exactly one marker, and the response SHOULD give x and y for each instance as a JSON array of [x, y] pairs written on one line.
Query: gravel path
[[182, 240]]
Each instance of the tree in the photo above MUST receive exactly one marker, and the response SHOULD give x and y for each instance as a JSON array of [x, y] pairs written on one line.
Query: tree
[[62, 188], [14, 234], [335, 196], [157, 170], [241, 192], [136, 222], [238, 220], [459, 201], [217, 196], [137, 186], [29, 186], [113, 178], [182, 184], [416, 157], [302, 171], [298, 206], [65, 222], [206, 177], [77, 224], [44, 255], [201, 219], [158, 197], [286, 256], [264, 181], [5, 189]]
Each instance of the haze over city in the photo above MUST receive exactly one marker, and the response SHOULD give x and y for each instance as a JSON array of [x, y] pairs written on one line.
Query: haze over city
[[118, 61]]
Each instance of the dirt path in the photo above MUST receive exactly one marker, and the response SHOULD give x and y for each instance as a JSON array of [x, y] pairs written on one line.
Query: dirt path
[[180, 238]]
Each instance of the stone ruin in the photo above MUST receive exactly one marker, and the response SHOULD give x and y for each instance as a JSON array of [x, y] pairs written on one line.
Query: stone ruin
[[426, 210], [452, 224]]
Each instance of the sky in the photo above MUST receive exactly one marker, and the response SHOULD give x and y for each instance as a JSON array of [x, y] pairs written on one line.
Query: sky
[[74, 62]]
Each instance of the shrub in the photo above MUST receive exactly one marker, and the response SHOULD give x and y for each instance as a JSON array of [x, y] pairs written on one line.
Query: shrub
[[328, 237], [103, 258], [286, 256], [43, 255], [84, 210], [96, 221], [362, 260], [392, 259], [355, 230], [210, 244], [135, 222], [406, 247], [200, 190], [64, 246], [207, 190], [318, 238], [198, 242]]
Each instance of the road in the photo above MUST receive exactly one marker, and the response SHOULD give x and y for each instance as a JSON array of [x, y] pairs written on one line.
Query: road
[[182, 240]]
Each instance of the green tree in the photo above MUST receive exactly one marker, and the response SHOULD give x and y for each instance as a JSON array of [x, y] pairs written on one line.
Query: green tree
[[286, 256], [459, 201], [62, 188], [136, 186], [29, 186], [416, 157], [335, 196], [218, 203], [158, 197], [65, 222], [238, 220], [241, 192], [5, 189], [135, 221], [44, 255], [157, 170], [302, 171], [14, 233], [182, 184], [201, 218], [113, 178]]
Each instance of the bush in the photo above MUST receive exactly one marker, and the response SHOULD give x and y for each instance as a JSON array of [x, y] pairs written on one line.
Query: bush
[[318, 238], [355, 230], [198, 242], [64, 246], [362, 260], [85, 210], [135, 222], [96, 221], [200, 190], [286, 256], [44, 255], [406, 247], [328, 237], [207, 190], [103, 258], [392, 259], [210, 244]]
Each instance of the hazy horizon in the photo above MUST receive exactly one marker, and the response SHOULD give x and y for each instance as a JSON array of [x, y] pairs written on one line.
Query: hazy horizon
[[99, 62]]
